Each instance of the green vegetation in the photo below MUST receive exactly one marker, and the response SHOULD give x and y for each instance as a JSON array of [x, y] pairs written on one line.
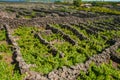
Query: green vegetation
[[118, 50], [102, 72], [4, 47], [29, 15], [96, 6], [77, 2], [66, 31], [100, 4], [1, 57], [64, 3], [51, 37], [89, 48], [34, 52], [98, 9], [2, 35], [110, 34], [98, 36], [7, 73]]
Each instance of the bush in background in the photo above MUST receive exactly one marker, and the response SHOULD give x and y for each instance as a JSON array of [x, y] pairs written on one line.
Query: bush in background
[[77, 2]]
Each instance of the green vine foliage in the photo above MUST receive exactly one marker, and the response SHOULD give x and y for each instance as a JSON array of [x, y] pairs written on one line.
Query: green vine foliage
[[7, 73], [2, 35], [7, 70], [98, 10], [34, 52], [102, 72]]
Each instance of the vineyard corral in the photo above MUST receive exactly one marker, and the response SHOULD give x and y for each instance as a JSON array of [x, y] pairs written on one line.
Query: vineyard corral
[[39, 43]]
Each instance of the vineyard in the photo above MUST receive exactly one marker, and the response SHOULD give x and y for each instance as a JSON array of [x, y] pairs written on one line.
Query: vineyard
[[66, 47]]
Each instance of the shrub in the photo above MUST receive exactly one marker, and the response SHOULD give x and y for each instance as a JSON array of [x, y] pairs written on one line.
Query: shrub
[[77, 2]]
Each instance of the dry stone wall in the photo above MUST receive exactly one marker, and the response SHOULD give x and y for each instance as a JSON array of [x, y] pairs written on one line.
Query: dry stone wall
[[43, 21], [71, 73], [64, 73], [51, 47], [65, 36], [17, 57]]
